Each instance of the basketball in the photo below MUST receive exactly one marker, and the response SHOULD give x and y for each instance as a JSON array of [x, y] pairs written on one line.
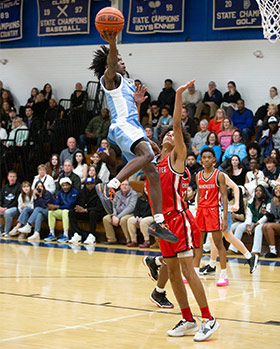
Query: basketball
[[109, 18]]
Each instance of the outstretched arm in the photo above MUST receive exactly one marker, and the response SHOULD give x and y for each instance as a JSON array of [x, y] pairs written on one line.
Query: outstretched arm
[[112, 60], [178, 155], [236, 193]]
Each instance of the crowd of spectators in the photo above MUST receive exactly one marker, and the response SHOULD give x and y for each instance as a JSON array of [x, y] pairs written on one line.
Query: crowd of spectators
[[246, 145]]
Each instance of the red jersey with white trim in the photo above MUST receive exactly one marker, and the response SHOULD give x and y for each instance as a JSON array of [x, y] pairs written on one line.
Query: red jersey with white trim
[[174, 186], [209, 189]]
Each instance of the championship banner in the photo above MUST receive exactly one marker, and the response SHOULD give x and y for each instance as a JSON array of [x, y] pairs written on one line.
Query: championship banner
[[10, 20], [148, 17], [236, 14], [63, 17]]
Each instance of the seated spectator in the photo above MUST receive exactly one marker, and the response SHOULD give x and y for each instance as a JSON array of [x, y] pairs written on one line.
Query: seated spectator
[[242, 119], [200, 137], [66, 200], [40, 106], [108, 156], [16, 136], [271, 137], [154, 114], [194, 167], [96, 129], [210, 103], [164, 121], [142, 218], [3, 133], [68, 173], [9, 123], [25, 206], [271, 173], [275, 153], [43, 177], [236, 171], [272, 99], [53, 113], [166, 97], [88, 208], [144, 105], [101, 169], [191, 97], [78, 97], [41, 199], [230, 99], [80, 165], [216, 122], [47, 92], [272, 110], [188, 124], [150, 133], [226, 133], [9, 202], [254, 177], [92, 174], [272, 227], [123, 207], [53, 167], [31, 100], [235, 148], [255, 218], [33, 123], [212, 142], [4, 113], [68, 153], [6, 97], [253, 150], [190, 199]]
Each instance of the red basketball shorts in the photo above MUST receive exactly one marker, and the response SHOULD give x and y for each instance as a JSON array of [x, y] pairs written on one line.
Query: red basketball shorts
[[182, 225], [208, 219]]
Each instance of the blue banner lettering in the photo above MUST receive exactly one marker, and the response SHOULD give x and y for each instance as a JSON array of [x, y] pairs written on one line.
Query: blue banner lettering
[[63, 17], [236, 14], [148, 17], [11, 20]]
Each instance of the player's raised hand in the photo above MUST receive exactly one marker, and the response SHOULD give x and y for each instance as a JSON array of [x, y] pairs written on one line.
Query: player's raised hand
[[183, 88], [139, 94], [109, 36]]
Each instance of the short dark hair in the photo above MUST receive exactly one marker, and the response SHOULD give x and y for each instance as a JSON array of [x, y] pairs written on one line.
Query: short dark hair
[[232, 83], [99, 62], [148, 126], [186, 135], [155, 103], [138, 81], [191, 154], [207, 150], [254, 145], [168, 80]]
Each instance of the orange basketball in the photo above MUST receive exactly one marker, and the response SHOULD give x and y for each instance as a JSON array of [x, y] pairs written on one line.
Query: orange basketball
[[109, 18]]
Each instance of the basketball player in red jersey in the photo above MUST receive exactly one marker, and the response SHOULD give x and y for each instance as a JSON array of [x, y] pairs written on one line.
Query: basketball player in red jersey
[[211, 182], [173, 178]]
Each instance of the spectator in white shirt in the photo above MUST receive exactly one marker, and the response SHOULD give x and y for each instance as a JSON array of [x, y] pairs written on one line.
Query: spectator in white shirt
[[191, 97], [43, 177], [200, 137]]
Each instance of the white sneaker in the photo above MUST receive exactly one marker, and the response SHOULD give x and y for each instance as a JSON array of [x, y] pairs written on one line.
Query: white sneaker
[[90, 240], [76, 238], [14, 231], [183, 328], [26, 229], [207, 328], [35, 236]]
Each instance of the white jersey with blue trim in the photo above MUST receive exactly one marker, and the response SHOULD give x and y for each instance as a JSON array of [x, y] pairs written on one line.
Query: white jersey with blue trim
[[121, 101]]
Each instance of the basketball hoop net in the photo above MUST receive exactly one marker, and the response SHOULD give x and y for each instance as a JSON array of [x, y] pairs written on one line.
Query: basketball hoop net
[[270, 12]]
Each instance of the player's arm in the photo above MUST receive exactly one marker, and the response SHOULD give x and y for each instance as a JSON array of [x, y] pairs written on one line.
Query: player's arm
[[179, 152], [197, 197], [139, 97], [223, 191], [110, 74], [236, 193]]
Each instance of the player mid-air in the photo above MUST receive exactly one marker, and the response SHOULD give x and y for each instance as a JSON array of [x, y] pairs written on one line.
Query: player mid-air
[[125, 131]]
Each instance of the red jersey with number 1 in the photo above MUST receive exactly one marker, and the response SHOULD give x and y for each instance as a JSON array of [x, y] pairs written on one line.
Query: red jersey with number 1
[[209, 189]]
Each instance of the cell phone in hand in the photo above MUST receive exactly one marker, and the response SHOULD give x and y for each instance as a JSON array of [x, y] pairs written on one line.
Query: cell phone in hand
[[101, 149]]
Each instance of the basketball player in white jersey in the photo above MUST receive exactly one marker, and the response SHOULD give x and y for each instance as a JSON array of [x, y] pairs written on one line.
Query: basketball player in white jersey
[[126, 131]]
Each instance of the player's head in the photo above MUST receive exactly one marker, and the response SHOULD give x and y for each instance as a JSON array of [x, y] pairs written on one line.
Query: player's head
[[99, 62], [208, 157], [167, 137]]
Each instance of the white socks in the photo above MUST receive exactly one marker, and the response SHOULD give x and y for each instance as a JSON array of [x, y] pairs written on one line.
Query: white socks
[[223, 273], [212, 263], [160, 290], [247, 255], [114, 183], [158, 261], [272, 249], [159, 218]]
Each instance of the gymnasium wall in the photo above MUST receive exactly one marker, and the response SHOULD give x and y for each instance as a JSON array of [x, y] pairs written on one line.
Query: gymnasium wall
[[152, 63]]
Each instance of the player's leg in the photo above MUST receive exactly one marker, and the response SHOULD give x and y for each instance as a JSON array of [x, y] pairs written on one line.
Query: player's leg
[[188, 324], [158, 295], [218, 240], [198, 253], [209, 324], [210, 269]]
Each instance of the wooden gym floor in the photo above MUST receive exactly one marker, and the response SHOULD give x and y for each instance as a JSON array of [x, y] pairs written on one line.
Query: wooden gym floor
[[56, 296]]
